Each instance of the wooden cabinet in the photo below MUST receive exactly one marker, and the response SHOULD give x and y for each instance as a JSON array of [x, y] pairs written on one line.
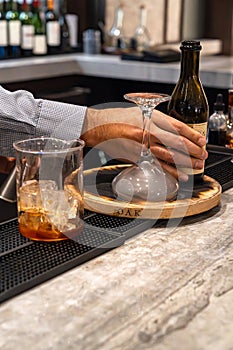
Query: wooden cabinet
[[219, 23]]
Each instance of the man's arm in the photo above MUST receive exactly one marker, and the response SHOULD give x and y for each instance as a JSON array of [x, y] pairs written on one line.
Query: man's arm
[[117, 131]]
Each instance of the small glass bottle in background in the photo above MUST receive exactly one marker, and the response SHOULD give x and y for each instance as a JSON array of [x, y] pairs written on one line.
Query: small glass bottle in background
[[91, 41], [72, 22], [217, 126], [115, 35], [141, 34], [229, 135]]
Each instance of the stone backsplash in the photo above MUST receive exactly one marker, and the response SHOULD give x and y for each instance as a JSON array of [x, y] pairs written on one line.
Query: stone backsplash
[[167, 20]]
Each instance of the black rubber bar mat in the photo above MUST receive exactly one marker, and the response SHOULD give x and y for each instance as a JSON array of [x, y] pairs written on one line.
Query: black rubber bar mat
[[25, 263], [219, 166]]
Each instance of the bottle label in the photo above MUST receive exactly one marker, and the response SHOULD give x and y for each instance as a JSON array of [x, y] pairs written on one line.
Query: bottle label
[[40, 45], [3, 31], [14, 33], [202, 129], [53, 33], [27, 37]]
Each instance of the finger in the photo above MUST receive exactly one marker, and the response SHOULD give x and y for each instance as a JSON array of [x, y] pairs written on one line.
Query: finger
[[187, 161], [173, 125], [177, 158], [176, 173], [178, 142]]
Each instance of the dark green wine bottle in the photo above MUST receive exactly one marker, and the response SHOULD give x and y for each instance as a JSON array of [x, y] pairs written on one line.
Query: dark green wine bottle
[[40, 43], [53, 30], [188, 101], [14, 28], [27, 28]]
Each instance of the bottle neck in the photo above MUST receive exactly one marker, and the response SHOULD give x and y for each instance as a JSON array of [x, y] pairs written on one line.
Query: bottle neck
[[50, 5], [142, 17], [119, 14], [218, 111], [190, 63], [12, 5], [2, 10], [63, 7], [36, 6], [25, 6]]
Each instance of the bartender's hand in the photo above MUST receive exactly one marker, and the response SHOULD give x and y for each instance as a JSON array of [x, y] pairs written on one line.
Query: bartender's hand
[[118, 132]]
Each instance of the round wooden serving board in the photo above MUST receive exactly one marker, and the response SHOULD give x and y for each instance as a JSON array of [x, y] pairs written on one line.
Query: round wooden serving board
[[98, 197]]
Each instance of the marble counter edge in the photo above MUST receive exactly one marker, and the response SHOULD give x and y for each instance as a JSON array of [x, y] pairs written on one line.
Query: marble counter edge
[[215, 71]]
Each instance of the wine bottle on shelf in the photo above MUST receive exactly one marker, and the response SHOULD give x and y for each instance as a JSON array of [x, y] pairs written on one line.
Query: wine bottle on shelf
[[217, 126], [14, 29], [53, 30], [188, 101], [27, 28], [3, 31], [40, 44]]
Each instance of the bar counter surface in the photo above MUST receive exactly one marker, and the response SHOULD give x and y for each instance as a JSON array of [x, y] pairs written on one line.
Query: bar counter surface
[[170, 287], [215, 71]]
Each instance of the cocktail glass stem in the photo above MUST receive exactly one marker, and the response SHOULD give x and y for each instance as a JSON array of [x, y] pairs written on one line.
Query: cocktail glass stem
[[145, 151]]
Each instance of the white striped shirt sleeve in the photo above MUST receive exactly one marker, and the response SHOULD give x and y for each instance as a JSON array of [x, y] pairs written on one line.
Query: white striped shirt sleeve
[[22, 116]]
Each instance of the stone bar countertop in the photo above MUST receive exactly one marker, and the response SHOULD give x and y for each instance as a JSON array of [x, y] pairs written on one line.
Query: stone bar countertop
[[168, 288], [215, 71]]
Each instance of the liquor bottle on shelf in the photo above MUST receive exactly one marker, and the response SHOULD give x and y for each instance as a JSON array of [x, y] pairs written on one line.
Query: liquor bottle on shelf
[[141, 34], [40, 44], [65, 34], [53, 30], [229, 135], [115, 35], [27, 28], [3, 32], [14, 29], [217, 126], [188, 101]]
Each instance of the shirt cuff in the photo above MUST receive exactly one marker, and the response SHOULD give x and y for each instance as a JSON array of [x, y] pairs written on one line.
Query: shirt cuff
[[60, 120]]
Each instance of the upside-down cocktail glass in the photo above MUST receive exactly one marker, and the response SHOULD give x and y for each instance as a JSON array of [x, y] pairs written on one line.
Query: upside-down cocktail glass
[[145, 180]]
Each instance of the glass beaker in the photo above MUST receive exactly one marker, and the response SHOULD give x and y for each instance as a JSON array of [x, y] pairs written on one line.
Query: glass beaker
[[49, 185]]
